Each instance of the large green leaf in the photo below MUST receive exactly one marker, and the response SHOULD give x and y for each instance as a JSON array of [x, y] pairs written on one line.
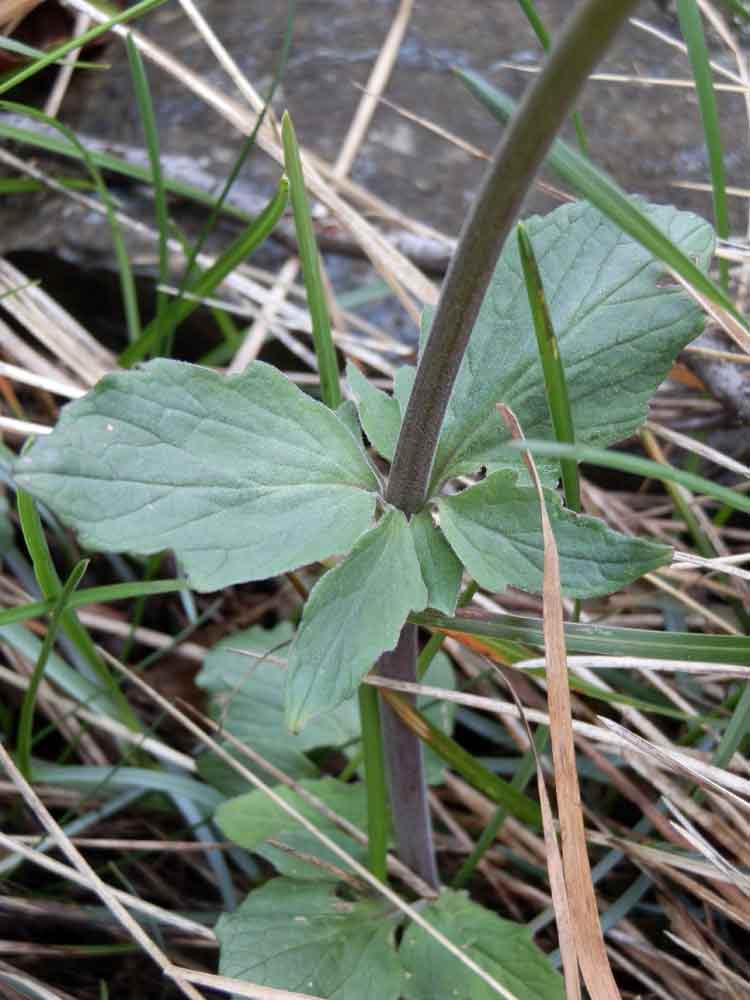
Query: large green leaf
[[619, 323], [354, 613], [502, 948], [302, 936], [244, 477], [247, 699], [253, 818], [495, 528]]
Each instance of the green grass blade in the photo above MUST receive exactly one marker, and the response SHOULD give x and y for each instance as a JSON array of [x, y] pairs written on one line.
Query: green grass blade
[[151, 135], [78, 42], [552, 367], [94, 595], [537, 26], [602, 640], [594, 185], [495, 788], [330, 388], [634, 463], [51, 588], [691, 26], [26, 719], [244, 245], [378, 824], [736, 731], [127, 284]]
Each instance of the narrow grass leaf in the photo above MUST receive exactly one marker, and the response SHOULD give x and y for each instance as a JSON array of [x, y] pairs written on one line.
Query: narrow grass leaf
[[308, 251], [51, 588], [26, 719], [552, 368], [691, 26], [151, 135]]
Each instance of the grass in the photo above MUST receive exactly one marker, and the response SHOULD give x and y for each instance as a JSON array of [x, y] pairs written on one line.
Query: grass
[[110, 748]]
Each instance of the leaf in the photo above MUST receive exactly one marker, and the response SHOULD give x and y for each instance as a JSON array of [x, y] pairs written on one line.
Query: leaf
[[439, 711], [379, 413], [403, 383], [253, 818], [7, 539], [441, 570], [619, 329], [302, 936], [354, 613], [247, 699], [244, 477], [495, 529], [502, 948]]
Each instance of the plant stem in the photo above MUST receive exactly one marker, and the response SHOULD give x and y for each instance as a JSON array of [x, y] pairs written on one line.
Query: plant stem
[[406, 774], [521, 150]]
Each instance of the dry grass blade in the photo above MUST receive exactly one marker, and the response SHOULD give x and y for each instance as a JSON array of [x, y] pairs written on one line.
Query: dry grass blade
[[587, 931], [374, 87], [104, 892], [555, 869], [241, 988]]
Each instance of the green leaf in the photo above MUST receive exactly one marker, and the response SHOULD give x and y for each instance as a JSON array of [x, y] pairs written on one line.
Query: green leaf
[[379, 413], [253, 818], [618, 323], [495, 529], [441, 570], [304, 937], [354, 613], [502, 948], [403, 383], [247, 699], [7, 539], [244, 476]]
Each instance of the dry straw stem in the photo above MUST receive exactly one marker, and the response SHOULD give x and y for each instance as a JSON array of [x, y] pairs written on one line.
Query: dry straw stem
[[241, 988], [104, 892], [587, 931], [293, 813]]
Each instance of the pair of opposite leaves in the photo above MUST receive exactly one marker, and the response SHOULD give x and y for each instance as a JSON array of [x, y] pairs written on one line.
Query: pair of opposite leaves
[[247, 477]]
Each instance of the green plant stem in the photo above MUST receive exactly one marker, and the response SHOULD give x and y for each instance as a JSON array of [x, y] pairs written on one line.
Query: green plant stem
[[377, 793], [514, 165], [405, 764]]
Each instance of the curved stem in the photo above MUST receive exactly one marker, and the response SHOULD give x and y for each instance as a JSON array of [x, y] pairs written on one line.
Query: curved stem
[[521, 150]]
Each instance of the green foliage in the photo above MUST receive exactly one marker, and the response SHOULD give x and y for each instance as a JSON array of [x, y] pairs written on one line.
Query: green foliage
[[353, 614], [618, 323], [441, 568], [303, 936], [495, 528], [502, 948], [244, 477]]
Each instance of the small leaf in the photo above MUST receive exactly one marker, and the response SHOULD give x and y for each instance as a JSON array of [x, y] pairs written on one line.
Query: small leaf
[[441, 570], [619, 329], [302, 936], [502, 948], [495, 529], [346, 411], [247, 700], [244, 477], [403, 383], [379, 413], [253, 818], [354, 613]]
